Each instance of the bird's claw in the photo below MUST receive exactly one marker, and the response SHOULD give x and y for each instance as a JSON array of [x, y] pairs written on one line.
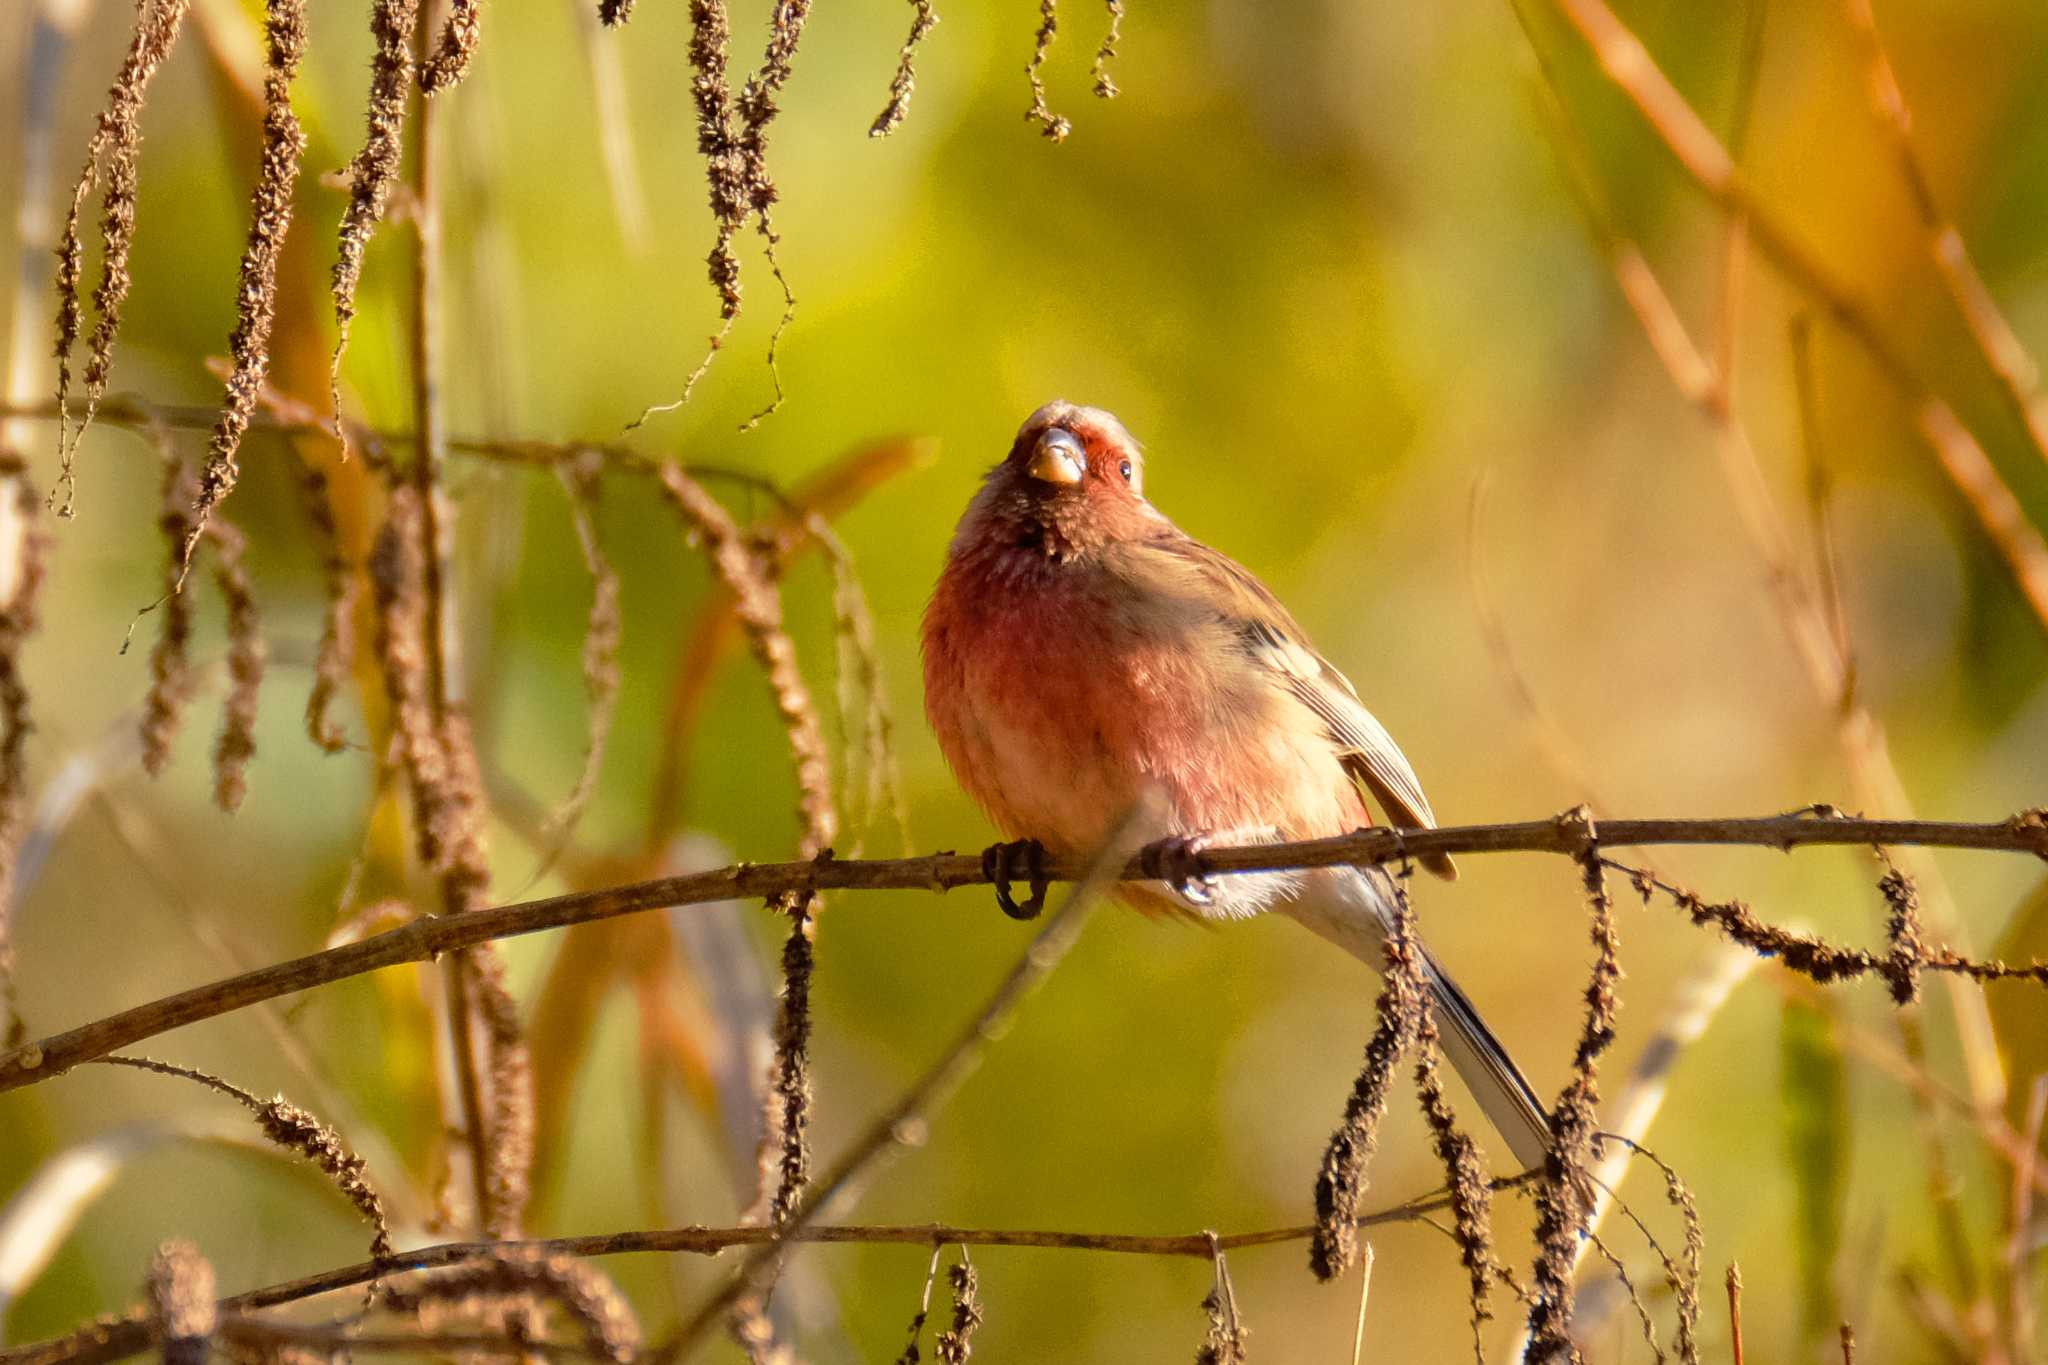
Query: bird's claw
[[999, 861], [1177, 861]]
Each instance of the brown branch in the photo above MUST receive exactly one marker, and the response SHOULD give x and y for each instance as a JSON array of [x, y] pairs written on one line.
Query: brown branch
[[285, 416], [425, 939], [281, 1342], [111, 1340]]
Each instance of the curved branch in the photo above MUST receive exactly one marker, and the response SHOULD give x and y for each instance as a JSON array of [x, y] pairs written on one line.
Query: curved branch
[[106, 1341], [426, 939]]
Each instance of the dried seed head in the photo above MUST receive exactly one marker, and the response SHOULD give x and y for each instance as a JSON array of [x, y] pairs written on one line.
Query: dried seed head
[[923, 18], [1225, 1342], [718, 143], [510, 1120], [116, 144], [758, 604], [792, 1068], [292, 1128], [732, 137], [1341, 1182], [1052, 125], [171, 679], [1564, 1197], [287, 1125], [435, 752], [1105, 88], [1902, 931], [270, 216], [246, 658], [754, 1330], [181, 1299], [23, 546], [335, 654], [1464, 1174], [955, 1344], [375, 168], [453, 48], [590, 1301]]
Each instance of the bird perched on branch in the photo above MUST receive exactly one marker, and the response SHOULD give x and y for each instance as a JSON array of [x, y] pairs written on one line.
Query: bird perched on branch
[[1081, 651]]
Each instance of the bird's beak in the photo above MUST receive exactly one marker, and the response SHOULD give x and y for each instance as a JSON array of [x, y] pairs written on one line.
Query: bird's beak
[[1058, 459]]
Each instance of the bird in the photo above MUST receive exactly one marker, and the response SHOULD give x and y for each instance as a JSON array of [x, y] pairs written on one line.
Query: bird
[[1083, 654]]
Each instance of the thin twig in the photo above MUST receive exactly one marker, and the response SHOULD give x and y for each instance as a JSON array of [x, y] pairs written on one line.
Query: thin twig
[[425, 939], [1364, 1297], [102, 1342], [284, 416], [1735, 1312], [314, 1341]]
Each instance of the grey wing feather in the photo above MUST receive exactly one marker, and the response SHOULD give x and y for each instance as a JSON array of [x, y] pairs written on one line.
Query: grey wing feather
[[1367, 751]]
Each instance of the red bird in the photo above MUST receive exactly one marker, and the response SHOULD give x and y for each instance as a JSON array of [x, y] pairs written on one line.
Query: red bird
[[1082, 651]]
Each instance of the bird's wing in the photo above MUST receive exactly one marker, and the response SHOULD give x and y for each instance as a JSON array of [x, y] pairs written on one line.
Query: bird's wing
[[1272, 637]]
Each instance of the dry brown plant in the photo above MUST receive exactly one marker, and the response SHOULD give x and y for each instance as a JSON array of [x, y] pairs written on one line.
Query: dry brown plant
[[503, 1293]]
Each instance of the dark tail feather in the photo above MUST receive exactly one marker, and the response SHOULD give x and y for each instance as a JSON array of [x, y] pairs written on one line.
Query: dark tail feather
[[1352, 909], [1503, 1092]]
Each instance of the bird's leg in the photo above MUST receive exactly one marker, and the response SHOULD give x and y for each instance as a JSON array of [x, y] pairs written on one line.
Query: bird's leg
[[1027, 855], [1177, 861]]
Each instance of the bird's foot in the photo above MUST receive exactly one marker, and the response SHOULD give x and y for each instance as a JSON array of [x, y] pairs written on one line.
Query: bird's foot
[[1177, 861], [1000, 861]]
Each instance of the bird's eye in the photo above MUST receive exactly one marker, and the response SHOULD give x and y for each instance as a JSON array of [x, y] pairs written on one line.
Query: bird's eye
[[1124, 468]]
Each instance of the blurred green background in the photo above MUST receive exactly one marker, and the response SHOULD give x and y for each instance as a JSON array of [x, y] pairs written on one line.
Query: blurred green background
[[1321, 259]]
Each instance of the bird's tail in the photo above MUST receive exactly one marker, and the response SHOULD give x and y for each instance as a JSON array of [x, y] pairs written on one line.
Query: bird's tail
[[1352, 910]]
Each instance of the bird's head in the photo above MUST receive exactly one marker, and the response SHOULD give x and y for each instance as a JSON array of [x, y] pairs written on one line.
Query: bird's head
[[1073, 481]]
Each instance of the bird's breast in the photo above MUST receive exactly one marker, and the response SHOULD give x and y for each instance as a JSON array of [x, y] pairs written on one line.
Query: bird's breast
[[1060, 698]]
